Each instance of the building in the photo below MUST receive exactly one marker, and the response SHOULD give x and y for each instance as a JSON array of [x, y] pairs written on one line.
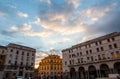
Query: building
[[19, 61], [51, 66], [3, 53], [96, 58]]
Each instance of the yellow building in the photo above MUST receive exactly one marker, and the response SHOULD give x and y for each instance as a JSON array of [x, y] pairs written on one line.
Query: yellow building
[[50, 66], [3, 52]]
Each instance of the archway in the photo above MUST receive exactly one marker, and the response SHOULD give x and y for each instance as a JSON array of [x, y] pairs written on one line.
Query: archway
[[104, 69], [117, 67], [72, 73], [81, 72], [92, 72]]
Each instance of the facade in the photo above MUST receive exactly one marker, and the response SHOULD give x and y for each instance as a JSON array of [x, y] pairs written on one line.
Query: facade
[[51, 67], [97, 58], [19, 61], [3, 53]]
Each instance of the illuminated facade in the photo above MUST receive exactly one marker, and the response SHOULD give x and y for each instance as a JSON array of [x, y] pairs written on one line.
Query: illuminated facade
[[50, 66], [3, 53], [96, 58]]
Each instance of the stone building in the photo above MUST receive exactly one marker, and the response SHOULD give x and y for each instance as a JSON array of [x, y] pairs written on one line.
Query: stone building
[[96, 58], [19, 61], [50, 67]]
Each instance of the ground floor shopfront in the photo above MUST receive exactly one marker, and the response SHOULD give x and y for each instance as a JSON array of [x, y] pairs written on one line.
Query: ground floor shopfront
[[93, 70], [14, 74]]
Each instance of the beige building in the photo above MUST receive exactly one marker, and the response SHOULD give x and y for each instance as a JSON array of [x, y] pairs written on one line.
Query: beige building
[[96, 58], [19, 61], [50, 66]]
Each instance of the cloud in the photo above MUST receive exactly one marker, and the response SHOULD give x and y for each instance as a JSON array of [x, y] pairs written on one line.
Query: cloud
[[24, 27], [21, 14], [27, 30], [42, 33], [96, 12], [67, 20], [75, 3], [46, 1], [58, 27]]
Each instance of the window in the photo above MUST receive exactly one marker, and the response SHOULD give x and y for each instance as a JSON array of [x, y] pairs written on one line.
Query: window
[[32, 54], [69, 56], [100, 42], [85, 46], [87, 52], [2, 51], [87, 58], [70, 61], [78, 60], [102, 49], [99, 57], [11, 55], [9, 61], [22, 53], [73, 55], [21, 63], [91, 58], [27, 54], [81, 60], [108, 40], [80, 53], [97, 49], [90, 51], [11, 50], [110, 46], [16, 52], [65, 62], [115, 46], [79, 47], [96, 43], [89, 45], [77, 54], [69, 51], [113, 39], [15, 62]]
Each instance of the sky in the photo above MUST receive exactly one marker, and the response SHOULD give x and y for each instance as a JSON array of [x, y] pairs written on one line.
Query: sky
[[50, 26]]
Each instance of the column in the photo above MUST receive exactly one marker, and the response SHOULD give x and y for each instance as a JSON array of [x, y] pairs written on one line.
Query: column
[[98, 74], [97, 71], [87, 75]]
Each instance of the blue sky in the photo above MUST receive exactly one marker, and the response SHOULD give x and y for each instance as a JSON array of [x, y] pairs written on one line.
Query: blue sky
[[56, 24]]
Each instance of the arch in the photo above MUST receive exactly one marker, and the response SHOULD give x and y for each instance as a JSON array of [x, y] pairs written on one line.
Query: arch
[[81, 73], [92, 72], [104, 69], [117, 67], [72, 73]]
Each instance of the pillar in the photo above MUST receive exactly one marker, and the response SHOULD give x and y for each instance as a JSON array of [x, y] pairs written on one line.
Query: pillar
[[98, 73], [86, 74]]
